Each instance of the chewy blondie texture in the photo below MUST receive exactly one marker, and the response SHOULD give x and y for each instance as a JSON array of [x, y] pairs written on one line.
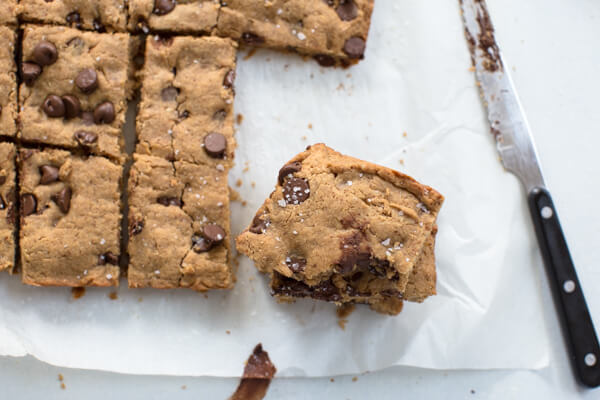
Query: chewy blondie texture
[[96, 15], [332, 31], [183, 16], [70, 219], [178, 225], [75, 88], [346, 231], [186, 110], [8, 83], [8, 204], [8, 14]]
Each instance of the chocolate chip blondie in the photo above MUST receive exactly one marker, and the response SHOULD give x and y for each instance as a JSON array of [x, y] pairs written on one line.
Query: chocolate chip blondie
[[96, 15], [8, 13], [178, 225], [8, 83], [186, 108], [75, 89], [346, 231], [187, 16], [8, 205], [70, 219], [331, 31]]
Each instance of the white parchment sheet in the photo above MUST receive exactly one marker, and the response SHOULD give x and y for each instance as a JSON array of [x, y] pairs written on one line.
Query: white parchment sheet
[[415, 79]]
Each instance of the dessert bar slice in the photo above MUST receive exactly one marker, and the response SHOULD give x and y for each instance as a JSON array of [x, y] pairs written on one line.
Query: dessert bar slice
[[8, 13], [75, 88], [182, 16], [186, 110], [8, 205], [96, 15], [345, 230], [8, 83], [178, 225], [331, 31], [70, 219]]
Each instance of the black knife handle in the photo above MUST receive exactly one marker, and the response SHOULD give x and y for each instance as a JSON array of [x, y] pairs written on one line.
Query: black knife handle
[[578, 328]]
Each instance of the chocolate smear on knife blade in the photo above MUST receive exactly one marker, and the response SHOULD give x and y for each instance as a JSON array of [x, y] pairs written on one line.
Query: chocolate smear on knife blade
[[486, 39], [257, 376]]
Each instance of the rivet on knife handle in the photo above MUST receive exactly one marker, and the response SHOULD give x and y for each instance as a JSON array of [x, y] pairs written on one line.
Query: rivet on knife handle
[[568, 295]]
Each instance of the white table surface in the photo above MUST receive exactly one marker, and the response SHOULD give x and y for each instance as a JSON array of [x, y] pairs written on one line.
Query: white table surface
[[553, 50]]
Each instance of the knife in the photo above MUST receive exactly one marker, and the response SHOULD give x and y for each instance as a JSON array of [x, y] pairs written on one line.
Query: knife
[[518, 154]]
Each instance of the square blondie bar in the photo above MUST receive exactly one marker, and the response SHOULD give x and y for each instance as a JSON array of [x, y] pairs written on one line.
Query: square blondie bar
[[75, 89], [186, 108], [70, 219], [346, 231], [178, 225], [188, 16]]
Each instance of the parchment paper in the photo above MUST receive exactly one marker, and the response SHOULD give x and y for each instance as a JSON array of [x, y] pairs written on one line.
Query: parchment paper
[[415, 79]]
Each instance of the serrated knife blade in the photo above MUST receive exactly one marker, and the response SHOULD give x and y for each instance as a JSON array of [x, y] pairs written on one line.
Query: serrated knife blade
[[519, 156]]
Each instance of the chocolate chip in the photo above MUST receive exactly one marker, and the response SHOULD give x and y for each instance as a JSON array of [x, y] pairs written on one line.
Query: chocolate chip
[[347, 10], [259, 226], [72, 106], [28, 204], [289, 169], [229, 79], [213, 233], [169, 201], [98, 26], [104, 113], [200, 244], [108, 258], [324, 60], [296, 264], [215, 145], [74, 18], [53, 106], [87, 117], [392, 293], [49, 174], [379, 268], [142, 25], [355, 47], [45, 53], [63, 199], [163, 7], [2, 180], [296, 190], [252, 39], [30, 72], [183, 115], [169, 93], [135, 227], [87, 80], [85, 138]]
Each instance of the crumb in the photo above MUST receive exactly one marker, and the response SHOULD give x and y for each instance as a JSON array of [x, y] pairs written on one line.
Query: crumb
[[309, 126], [77, 292], [63, 386], [303, 138], [348, 75], [61, 377], [253, 184], [250, 54], [228, 332], [340, 87], [472, 391], [331, 380], [251, 278], [238, 183], [113, 296], [345, 310], [234, 195], [404, 134], [471, 69], [140, 299], [355, 379], [268, 59], [244, 203], [342, 323], [312, 76], [286, 67], [401, 162], [205, 296], [239, 118], [183, 387], [246, 167]]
